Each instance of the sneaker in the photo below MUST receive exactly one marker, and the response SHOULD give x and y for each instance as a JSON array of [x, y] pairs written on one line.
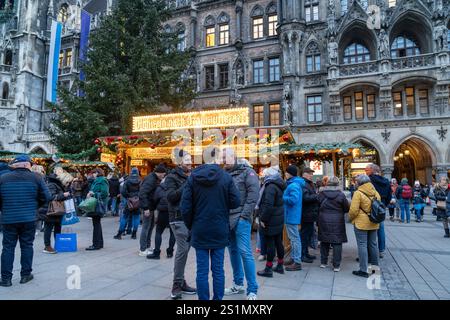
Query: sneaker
[[6, 283], [261, 257], [26, 279], [267, 272], [307, 260], [252, 296], [235, 289], [323, 266], [143, 253], [176, 292], [154, 256], [188, 290], [381, 255], [288, 262], [279, 269], [336, 269], [294, 267], [360, 273], [49, 249]]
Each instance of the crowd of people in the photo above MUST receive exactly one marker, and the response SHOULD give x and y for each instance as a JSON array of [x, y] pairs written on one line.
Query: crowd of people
[[213, 207]]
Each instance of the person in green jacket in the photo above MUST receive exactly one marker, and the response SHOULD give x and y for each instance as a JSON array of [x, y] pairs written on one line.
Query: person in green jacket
[[100, 190]]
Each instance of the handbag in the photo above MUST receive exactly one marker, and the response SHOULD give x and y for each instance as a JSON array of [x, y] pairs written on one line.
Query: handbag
[[133, 203], [441, 205], [69, 219], [88, 205], [56, 208], [100, 208]]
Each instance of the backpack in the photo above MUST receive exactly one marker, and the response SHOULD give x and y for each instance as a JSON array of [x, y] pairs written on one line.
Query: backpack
[[377, 212], [406, 192]]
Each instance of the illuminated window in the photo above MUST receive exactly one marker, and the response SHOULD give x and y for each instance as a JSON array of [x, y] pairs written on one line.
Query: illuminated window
[[209, 78], [314, 107], [392, 3], [423, 101], [273, 20], [410, 101], [68, 60], [63, 14], [274, 69], [398, 103], [224, 34], [347, 108], [258, 116], [404, 47], [223, 75], [210, 37], [61, 60], [258, 28], [356, 53], [274, 110], [359, 106], [371, 113], [258, 71]]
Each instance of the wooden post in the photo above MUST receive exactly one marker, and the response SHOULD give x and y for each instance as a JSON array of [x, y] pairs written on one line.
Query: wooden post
[[334, 163]]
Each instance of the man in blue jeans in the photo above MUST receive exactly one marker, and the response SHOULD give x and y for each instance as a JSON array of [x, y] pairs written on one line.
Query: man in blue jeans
[[242, 260], [22, 192], [404, 193], [208, 197]]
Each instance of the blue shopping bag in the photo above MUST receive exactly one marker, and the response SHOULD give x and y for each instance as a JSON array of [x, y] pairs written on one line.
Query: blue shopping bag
[[70, 217], [66, 242]]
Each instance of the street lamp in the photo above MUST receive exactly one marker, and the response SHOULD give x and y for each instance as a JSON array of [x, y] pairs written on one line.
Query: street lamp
[[406, 152], [400, 155]]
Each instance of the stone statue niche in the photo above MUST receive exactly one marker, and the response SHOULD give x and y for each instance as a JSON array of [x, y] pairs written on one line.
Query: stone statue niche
[[288, 111]]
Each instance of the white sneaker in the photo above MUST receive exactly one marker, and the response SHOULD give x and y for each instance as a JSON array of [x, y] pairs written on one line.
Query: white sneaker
[[252, 296], [261, 257], [235, 289], [150, 251], [143, 253], [323, 266], [337, 269]]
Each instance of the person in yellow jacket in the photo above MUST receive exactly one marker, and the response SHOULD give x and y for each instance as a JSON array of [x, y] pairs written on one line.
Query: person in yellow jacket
[[365, 230]]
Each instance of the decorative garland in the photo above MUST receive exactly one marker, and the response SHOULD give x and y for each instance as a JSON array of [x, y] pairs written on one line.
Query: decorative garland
[[79, 156]]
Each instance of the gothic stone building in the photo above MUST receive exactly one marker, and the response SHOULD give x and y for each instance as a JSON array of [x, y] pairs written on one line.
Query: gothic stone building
[[375, 72], [24, 45]]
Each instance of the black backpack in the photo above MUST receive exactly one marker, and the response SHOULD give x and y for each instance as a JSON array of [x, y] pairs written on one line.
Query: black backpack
[[378, 210]]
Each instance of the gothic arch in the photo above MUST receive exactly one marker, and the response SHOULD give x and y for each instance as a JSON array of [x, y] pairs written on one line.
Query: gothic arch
[[209, 21], [411, 79], [425, 143], [167, 28], [380, 150], [180, 27], [357, 32], [257, 11], [421, 32], [223, 18], [271, 8], [358, 84], [39, 149]]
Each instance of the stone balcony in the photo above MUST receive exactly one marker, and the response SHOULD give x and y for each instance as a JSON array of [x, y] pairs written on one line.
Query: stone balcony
[[414, 62]]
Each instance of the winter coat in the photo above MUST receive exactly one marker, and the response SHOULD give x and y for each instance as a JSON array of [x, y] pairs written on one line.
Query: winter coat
[[247, 182], [77, 187], [4, 168], [114, 187], [147, 192], [22, 192], [207, 199], [271, 208], [419, 192], [175, 182], [310, 205], [383, 187], [162, 204], [441, 194], [56, 189], [100, 186], [333, 207], [361, 206], [131, 189], [292, 200]]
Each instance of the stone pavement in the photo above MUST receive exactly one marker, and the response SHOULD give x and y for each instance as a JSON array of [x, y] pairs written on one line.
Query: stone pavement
[[416, 266]]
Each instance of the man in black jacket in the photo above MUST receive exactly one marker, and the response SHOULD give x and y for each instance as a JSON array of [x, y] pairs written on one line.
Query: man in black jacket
[[310, 213], [114, 192], [175, 182], [146, 201]]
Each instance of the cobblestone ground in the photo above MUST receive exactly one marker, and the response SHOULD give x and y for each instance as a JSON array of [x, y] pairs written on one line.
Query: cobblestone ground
[[416, 266]]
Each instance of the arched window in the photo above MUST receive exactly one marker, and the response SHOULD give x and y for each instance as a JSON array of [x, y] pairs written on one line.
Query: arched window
[[313, 58], [404, 47], [5, 91], [181, 34], [224, 29], [272, 19], [257, 16], [210, 29], [356, 52], [8, 57], [63, 14]]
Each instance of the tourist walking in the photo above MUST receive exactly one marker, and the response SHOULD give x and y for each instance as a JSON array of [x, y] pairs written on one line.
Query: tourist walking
[[22, 192], [333, 207], [147, 203], [419, 197], [130, 192], [404, 194], [207, 199], [175, 183], [271, 217], [441, 195], [365, 230], [292, 200], [310, 212], [162, 222], [241, 219], [99, 190]]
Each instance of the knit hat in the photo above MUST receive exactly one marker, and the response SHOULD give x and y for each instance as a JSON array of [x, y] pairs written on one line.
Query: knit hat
[[21, 158], [161, 168], [333, 181], [404, 181], [271, 171], [134, 171], [292, 170]]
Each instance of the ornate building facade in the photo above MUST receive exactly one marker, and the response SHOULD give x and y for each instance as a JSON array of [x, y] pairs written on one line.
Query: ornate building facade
[[24, 46], [375, 72]]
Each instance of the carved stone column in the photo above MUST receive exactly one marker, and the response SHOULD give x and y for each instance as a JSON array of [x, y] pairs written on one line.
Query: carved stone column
[[387, 170], [193, 28], [238, 20]]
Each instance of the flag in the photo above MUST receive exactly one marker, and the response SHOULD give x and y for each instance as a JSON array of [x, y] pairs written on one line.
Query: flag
[[84, 39], [53, 59]]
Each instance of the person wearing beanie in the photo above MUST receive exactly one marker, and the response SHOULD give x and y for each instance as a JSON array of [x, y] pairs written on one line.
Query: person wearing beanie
[[292, 199], [333, 207], [147, 204], [404, 194], [130, 192], [310, 213]]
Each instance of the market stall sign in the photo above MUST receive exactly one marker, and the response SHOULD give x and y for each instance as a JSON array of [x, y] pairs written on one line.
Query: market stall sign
[[317, 166], [108, 157], [223, 118], [136, 163]]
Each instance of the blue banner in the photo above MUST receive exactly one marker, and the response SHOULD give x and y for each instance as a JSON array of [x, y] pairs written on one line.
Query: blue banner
[[84, 39], [53, 60]]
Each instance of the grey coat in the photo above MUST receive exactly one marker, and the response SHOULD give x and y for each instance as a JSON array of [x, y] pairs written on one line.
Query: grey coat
[[247, 182]]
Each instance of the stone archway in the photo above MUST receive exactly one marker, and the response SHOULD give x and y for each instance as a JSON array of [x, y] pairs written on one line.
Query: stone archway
[[38, 150], [414, 160]]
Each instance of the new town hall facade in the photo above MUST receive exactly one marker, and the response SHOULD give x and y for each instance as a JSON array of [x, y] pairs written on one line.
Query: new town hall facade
[[376, 72]]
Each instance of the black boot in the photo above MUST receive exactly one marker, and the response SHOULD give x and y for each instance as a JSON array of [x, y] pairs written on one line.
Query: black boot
[[279, 268], [169, 253], [447, 233], [118, 236], [267, 272], [154, 255], [133, 235]]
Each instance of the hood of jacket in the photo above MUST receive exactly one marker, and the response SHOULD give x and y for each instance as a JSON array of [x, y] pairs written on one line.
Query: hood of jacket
[[134, 180], [379, 181], [179, 171], [237, 169], [298, 180], [53, 178], [207, 174], [4, 166], [275, 180], [331, 192], [368, 189]]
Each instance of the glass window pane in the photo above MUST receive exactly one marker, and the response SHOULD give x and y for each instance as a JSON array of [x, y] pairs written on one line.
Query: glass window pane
[[308, 14], [309, 64], [317, 61], [316, 12], [210, 37]]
